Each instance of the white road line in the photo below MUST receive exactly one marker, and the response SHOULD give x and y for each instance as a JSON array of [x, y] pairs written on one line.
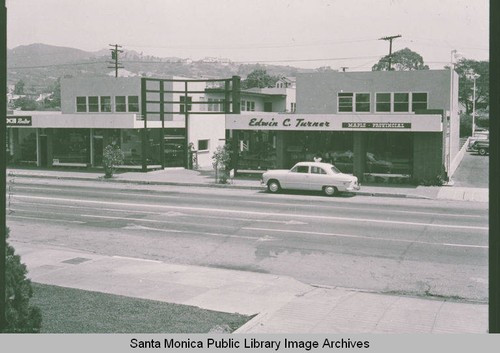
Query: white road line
[[329, 206], [46, 219], [290, 215], [156, 213], [364, 237]]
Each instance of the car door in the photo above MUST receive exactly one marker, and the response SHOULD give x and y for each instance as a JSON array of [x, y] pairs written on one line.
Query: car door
[[298, 178], [318, 178]]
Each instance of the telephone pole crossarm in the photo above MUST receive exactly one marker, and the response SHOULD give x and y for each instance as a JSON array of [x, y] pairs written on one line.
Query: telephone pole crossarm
[[390, 39]]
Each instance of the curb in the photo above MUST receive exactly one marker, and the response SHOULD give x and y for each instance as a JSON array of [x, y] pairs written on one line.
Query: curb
[[222, 186]]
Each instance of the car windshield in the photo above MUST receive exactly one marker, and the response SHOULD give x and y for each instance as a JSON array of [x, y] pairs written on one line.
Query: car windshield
[[335, 170]]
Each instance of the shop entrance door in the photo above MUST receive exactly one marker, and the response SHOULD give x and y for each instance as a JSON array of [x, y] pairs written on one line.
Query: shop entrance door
[[98, 150], [175, 151]]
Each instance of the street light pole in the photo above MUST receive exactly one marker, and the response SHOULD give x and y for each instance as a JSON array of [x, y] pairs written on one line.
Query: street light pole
[[474, 77]]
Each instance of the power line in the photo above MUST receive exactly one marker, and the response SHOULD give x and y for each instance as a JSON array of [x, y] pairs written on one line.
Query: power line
[[55, 65]]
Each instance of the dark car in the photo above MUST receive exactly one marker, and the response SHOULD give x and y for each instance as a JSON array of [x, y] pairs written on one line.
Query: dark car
[[481, 146]]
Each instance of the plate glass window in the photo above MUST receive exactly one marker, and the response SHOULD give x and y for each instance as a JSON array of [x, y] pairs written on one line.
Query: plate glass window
[[418, 101], [81, 104], [120, 104], [401, 102], [345, 102], [383, 102], [93, 104]]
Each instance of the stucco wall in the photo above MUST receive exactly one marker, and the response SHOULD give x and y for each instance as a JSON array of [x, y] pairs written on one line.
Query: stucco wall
[[317, 92], [203, 127], [97, 86]]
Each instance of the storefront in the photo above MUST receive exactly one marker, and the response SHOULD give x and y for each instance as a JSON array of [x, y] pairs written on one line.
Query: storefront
[[373, 144]]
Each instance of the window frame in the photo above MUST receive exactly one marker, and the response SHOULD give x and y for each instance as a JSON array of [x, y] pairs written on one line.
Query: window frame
[[131, 105], [95, 105], [419, 102], [391, 99], [354, 102], [207, 141], [103, 104], [408, 102], [120, 104], [81, 105]]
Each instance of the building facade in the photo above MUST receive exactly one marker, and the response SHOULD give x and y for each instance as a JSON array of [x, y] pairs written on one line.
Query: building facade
[[366, 123]]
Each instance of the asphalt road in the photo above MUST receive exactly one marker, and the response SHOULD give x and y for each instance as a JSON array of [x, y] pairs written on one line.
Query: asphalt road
[[388, 245]]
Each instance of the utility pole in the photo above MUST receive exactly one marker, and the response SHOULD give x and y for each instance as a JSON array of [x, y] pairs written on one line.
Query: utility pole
[[3, 163], [114, 56], [390, 39]]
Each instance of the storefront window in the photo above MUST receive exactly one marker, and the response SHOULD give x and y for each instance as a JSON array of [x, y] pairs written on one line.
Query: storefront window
[[71, 145], [257, 150], [389, 153]]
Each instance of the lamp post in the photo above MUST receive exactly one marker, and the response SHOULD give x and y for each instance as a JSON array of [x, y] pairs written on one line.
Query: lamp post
[[474, 77]]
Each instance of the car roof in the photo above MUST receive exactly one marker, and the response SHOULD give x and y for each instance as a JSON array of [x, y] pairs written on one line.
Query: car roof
[[315, 164]]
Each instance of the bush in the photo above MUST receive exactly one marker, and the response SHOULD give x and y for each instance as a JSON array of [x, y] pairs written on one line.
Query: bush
[[20, 316], [112, 157], [221, 160]]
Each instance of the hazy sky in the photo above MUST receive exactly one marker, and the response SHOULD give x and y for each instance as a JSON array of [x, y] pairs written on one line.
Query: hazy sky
[[345, 32]]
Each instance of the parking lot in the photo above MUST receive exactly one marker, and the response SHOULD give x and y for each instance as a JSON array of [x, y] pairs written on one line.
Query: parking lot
[[472, 171]]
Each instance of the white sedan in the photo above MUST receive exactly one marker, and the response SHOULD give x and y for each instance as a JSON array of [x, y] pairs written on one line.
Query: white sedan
[[310, 176]]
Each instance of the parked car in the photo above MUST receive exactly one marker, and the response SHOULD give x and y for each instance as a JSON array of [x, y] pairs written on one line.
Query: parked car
[[481, 146], [310, 176], [345, 160]]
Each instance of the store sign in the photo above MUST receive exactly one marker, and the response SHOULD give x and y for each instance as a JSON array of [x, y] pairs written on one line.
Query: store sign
[[19, 121], [363, 125], [287, 123]]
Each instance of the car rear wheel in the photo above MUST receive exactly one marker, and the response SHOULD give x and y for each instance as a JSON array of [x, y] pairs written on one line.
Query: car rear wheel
[[330, 190], [482, 151], [273, 186]]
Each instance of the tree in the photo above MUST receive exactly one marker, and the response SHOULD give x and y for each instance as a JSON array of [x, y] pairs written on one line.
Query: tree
[[112, 157], [21, 317], [259, 78], [402, 60], [465, 69], [19, 87], [221, 160], [25, 103]]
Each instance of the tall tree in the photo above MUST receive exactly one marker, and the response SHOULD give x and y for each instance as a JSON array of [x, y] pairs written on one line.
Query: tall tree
[[19, 87], [402, 60], [466, 69], [259, 78]]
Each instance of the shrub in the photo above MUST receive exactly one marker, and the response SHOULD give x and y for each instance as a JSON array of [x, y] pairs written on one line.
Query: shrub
[[21, 317], [112, 157], [221, 159]]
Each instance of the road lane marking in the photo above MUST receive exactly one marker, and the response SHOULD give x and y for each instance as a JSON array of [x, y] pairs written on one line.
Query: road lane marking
[[363, 237], [46, 219], [329, 206], [168, 214], [290, 215]]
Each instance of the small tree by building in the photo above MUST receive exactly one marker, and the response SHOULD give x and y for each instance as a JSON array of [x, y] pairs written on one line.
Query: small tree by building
[[221, 161], [21, 317], [112, 157]]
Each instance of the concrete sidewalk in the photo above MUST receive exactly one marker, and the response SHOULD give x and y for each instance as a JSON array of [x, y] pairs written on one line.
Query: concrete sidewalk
[[183, 177], [283, 304]]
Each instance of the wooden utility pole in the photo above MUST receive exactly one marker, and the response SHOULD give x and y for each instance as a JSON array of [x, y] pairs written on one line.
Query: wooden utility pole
[[114, 56], [390, 39]]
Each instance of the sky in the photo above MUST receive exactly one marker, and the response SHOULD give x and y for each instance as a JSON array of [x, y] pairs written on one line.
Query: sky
[[301, 33]]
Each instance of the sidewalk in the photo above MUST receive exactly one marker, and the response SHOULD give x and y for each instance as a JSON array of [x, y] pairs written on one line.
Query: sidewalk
[[283, 304], [180, 176]]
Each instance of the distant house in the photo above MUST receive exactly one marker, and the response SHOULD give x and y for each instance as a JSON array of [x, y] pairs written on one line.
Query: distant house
[[286, 82]]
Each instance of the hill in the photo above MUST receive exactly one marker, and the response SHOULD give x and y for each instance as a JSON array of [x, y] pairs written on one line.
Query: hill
[[41, 65]]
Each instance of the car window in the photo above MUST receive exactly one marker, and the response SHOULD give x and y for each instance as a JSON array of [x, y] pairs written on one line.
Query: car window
[[335, 170], [300, 169], [317, 170]]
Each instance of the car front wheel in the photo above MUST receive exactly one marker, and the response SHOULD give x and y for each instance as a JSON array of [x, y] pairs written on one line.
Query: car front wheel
[[330, 190], [273, 186], [482, 151]]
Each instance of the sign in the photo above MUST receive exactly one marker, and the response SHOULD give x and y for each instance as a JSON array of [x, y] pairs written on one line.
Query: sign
[[387, 125], [19, 121]]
